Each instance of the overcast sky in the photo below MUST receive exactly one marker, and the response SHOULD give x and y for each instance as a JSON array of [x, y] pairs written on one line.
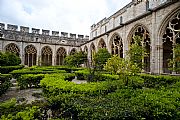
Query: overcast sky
[[72, 16]]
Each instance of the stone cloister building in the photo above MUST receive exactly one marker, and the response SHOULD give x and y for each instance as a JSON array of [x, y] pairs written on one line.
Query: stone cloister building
[[39, 49], [156, 21]]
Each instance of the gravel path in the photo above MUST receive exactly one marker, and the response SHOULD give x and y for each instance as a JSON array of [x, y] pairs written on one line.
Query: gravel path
[[79, 81], [26, 94]]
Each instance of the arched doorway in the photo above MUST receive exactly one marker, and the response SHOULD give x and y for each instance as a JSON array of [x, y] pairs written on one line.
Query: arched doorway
[[30, 55], [170, 38], [46, 55], [13, 48], [101, 44], [60, 55], [116, 45], [140, 30], [73, 51]]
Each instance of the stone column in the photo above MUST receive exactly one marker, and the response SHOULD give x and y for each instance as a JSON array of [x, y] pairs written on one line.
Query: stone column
[[22, 55], [38, 56], [107, 43], [125, 42], [89, 54], [153, 46], [53, 55]]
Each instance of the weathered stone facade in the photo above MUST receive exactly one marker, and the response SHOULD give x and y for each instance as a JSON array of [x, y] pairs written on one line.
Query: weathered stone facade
[[156, 21], [147, 18], [39, 49]]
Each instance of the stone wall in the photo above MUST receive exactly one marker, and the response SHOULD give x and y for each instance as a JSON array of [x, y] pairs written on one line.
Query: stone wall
[[134, 15]]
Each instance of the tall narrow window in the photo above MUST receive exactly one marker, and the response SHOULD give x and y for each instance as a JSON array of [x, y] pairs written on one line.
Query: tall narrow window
[[146, 42], [60, 56], [46, 56], [147, 5], [30, 55], [96, 33], [116, 45], [171, 38], [105, 28], [121, 20]]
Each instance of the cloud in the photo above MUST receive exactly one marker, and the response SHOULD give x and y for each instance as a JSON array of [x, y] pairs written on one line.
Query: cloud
[[74, 16]]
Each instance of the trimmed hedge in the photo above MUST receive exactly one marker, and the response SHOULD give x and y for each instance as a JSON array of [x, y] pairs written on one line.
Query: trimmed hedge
[[29, 81], [82, 74], [8, 69], [4, 82], [111, 99], [10, 110], [99, 76], [57, 84], [32, 80], [17, 73], [152, 81]]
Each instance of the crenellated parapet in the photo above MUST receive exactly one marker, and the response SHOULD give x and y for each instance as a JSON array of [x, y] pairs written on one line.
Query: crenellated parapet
[[11, 32]]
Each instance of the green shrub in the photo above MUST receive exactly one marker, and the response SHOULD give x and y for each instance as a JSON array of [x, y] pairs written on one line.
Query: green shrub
[[153, 81], [29, 80], [56, 84], [82, 74], [29, 113], [110, 99], [17, 73], [4, 82], [7, 69], [8, 104], [9, 59]]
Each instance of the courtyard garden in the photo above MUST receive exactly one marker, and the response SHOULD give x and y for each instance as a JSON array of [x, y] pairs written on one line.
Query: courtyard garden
[[115, 89]]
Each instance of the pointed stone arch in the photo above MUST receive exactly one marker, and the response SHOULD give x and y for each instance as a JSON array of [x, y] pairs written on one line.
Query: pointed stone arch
[[46, 56], [73, 51], [101, 43], [169, 34], [86, 49], [30, 55], [60, 55], [116, 45], [142, 31], [13, 48]]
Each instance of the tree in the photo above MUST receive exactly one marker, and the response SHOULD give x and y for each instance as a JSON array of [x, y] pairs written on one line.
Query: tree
[[76, 59], [137, 52], [174, 63], [122, 67], [101, 57], [9, 59]]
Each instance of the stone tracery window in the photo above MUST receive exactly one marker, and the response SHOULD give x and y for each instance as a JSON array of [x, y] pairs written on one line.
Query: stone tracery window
[[144, 34], [85, 49], [116, 45], [101, 44], [13, 48], [73, 51], [30, 55], [171, 37], [60, 55], [46, 55]]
